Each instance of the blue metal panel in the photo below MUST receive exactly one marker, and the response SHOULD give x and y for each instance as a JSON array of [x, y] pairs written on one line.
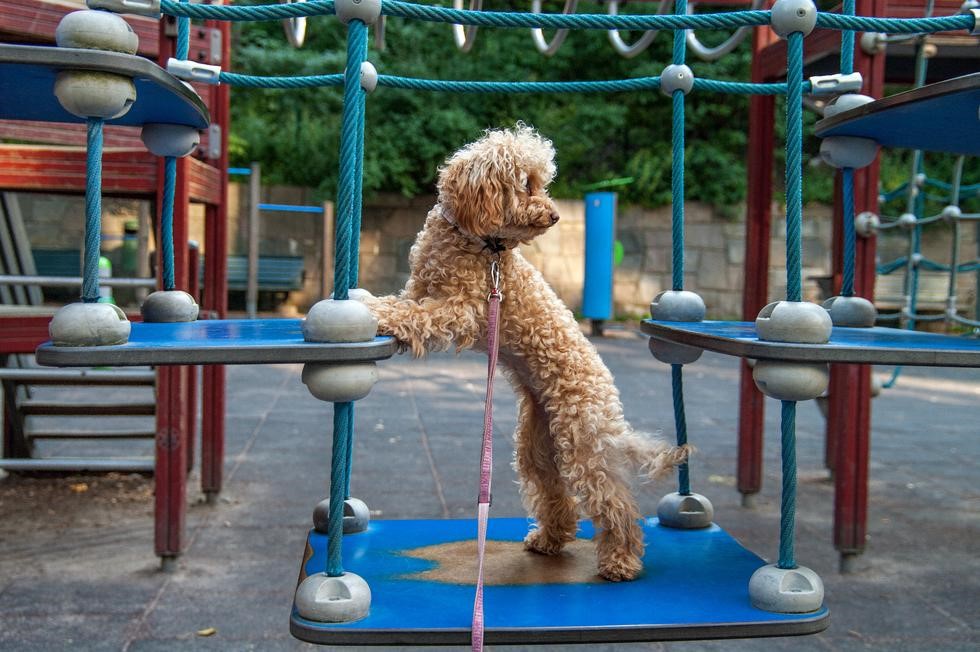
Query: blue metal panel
[[228, 341], [695, 584], [28, 73], [600, 237], [939, 117], [849, 345]]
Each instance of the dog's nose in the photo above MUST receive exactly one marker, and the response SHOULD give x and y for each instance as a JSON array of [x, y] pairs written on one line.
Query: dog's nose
[[554, 218]]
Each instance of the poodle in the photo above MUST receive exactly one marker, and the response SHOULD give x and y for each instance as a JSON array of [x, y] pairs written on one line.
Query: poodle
[[573, 448]]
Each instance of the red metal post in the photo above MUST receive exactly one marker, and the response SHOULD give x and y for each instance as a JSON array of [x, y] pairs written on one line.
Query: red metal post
[[194, 289], [172, 439], [215, 304], [761, 141], [849, 414]]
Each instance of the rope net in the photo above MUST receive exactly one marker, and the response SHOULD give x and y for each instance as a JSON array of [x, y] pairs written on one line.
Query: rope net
[[352, 151]]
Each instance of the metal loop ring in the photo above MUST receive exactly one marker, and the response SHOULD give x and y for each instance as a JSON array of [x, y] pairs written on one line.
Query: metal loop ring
[[537, 34], [630, 51], [295, 28], [705, 53], [465, 36]]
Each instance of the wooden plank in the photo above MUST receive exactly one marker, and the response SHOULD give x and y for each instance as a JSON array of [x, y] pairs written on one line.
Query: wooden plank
[[62, 169], [43, 376], [71, 464], [37, 407]]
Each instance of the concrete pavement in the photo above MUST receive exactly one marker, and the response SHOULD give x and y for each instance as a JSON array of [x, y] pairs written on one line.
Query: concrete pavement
[[77, 569]]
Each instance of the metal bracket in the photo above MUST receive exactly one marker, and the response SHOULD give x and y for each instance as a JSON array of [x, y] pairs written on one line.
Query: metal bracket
[[194, 71], [836, 84], [149, 8]]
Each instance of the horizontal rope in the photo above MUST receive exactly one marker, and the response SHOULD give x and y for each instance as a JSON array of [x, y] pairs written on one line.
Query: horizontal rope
[[256, 81], [724, 20], [639, 83], [429, 13], [743, 88], [248, 13], [411, 83], [828, 20]]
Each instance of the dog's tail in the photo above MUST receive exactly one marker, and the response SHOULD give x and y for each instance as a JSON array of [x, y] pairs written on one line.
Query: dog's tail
[[653, 457]]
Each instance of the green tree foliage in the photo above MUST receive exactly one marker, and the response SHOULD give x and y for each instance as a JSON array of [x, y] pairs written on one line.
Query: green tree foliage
[[295, 134]]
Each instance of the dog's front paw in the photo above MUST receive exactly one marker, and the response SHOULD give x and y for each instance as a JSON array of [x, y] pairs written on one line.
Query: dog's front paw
[[620, 567], [538, 541]]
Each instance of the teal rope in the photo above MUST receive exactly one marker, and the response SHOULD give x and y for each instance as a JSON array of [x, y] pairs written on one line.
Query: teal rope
[[432, 85], [93, 211], [358, 187], [827, 20], [183, 36], [248, 13], [744, 88], [677, 162], [430, 13], [345, 250], [356, 54], [355, 244], [787, 508], [725, 20], [850, 237], [607, 86], [167, 222], [847, 174], [847, 41], [343, 414], [794, 167], [677, 192], [255, 81], [680, 425]]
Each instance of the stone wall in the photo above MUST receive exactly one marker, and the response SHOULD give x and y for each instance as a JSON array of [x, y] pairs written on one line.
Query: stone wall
[[714, 251], [714, 248]]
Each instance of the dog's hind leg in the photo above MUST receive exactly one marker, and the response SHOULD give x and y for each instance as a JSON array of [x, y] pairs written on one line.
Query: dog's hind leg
[[594, 470], [543, 490]]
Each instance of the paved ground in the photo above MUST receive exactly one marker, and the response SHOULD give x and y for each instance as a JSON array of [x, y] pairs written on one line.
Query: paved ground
[[77, 569]]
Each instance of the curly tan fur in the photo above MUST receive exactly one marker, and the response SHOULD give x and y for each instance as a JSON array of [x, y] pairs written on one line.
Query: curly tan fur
[[574, 449]]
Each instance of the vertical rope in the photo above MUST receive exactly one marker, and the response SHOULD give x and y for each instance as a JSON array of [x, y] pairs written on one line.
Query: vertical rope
[[794, 167], [680, 425], [356, 54], [342, 421], [954, 254], [677, 191], [93, 211], [167, 222], [677, 160], [847, 174], [847, 41], [348, 189], [850, 238], [787, 509], [358, 176], [183, 37]]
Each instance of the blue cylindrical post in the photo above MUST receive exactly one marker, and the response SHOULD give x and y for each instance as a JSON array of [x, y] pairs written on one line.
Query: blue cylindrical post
[[600, 238]]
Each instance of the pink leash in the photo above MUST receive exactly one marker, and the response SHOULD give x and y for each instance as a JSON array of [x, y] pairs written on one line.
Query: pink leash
[[486, 456]]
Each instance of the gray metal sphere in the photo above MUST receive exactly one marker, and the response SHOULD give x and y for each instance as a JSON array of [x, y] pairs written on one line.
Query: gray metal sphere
[[341, 599], [794, 321], [169, 306], [333, 320], [789, 591], [89, 324], [853, 312]]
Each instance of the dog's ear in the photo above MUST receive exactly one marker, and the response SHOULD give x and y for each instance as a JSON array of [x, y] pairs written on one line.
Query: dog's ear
[[471, 190]]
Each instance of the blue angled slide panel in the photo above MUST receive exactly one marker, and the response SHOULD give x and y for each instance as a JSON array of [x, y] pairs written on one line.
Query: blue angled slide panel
[[940, 117], [229, 341], [848, 345], [422, 576], [28, 73]]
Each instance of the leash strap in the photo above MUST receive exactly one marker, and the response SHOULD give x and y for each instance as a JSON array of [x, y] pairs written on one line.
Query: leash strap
[[486, 456]]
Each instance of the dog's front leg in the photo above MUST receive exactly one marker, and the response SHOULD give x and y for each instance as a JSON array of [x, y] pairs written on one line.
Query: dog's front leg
[[428, 324]]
